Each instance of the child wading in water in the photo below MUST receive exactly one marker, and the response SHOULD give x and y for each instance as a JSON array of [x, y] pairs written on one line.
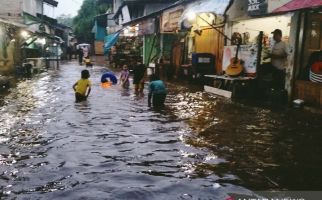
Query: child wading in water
[[124, 78], [82, 87]]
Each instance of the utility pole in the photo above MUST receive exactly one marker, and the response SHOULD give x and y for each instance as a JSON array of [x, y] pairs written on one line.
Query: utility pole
[[42, 8]]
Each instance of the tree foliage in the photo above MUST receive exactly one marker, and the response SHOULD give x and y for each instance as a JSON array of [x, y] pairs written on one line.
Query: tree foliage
[[83, 23]]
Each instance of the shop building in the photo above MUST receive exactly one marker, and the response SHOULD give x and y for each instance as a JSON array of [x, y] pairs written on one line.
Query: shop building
[[170, 40], [300, 22], [10, 38], [139, 30], [38, 35]]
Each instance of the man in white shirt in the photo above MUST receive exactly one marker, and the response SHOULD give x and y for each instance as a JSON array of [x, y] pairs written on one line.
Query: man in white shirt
[[278, 57]]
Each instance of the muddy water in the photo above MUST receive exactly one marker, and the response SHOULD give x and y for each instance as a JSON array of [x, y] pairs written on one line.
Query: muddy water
[[114, 147]]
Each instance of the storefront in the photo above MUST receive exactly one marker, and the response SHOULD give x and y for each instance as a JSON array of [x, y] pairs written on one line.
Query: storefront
[[151, 40], [205, 21], [255, 39], [10, 38], [128, 48], [308, 65], [172, 40], [194, 32], [300, 22]]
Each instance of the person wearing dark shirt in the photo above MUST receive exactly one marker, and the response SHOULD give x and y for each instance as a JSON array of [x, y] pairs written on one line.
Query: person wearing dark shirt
[[69, 52], [138, 77], [80, 55]]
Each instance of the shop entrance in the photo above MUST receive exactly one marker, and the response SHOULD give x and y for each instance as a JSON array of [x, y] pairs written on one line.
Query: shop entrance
[[308, 85]]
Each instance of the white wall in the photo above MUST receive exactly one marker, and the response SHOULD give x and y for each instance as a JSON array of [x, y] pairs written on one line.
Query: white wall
[[49, 11], [32, 6], [11, 10], [266, 24], [126, 15]]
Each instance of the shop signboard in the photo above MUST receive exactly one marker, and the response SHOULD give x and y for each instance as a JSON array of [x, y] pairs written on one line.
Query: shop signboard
[[257, 7], [147, 27], [170, 20], [246, 53]]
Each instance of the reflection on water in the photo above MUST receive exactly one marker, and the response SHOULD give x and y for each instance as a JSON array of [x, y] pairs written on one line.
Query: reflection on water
[[114, 147], [126, 92], [264, 149]]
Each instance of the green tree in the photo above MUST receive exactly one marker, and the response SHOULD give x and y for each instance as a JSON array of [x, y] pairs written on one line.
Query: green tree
[[84, 21]]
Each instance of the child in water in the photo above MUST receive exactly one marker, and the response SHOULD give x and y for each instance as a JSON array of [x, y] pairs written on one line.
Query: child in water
[[88, 62], [82, 87], [157, 91], [124, 78]]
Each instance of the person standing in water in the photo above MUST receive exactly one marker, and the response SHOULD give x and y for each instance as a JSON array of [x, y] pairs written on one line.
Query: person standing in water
[[138, 77], [157, 92], [82, 87], [80, 55], [124, 78]]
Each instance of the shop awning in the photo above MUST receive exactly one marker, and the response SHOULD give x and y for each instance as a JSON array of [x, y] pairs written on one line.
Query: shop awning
[[207, 6], [13, 23], [110, 41], [297, 5], [51, 2]]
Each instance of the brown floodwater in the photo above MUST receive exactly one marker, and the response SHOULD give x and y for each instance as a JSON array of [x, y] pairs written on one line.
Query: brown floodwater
[[114, 147]]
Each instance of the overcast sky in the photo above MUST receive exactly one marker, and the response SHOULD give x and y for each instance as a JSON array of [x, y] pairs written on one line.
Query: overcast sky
[[64, 7]]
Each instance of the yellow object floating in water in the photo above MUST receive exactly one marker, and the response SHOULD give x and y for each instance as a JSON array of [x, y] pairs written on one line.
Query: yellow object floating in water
[[106, 84]]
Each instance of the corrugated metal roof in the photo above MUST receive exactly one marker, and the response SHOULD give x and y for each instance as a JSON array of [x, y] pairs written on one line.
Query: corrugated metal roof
[[51, 2], [157, 12], [131, 2], [299, 4]]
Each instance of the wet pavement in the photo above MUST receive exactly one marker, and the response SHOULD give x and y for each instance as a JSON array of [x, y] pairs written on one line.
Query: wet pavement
[[114, 147]]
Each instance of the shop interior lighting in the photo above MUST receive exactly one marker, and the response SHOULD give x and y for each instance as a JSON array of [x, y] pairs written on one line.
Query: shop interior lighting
[[191, 15], [25, 34], [126, 30], [41, 41]]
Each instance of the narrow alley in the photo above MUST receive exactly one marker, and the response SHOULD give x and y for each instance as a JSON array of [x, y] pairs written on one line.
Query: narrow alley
[[115, 147]]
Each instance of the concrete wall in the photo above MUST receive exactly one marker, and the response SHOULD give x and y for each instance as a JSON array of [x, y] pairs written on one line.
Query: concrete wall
[[32, 6], [11, 10], [9, 48], [99, 47]]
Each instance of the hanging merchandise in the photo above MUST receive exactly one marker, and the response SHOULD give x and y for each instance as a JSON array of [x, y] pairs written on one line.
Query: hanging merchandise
[[127, 50]]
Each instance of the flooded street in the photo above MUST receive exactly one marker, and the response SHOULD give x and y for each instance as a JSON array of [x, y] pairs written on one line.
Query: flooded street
[[114, 147]]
